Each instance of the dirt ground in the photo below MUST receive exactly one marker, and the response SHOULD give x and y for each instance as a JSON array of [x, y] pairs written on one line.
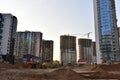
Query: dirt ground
[[81, 72]]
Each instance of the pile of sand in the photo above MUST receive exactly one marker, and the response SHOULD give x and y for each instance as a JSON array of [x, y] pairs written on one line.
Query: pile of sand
[[104, 75], [60, 74], [102, 71], [97, 68], [106, 67], [65, 74]]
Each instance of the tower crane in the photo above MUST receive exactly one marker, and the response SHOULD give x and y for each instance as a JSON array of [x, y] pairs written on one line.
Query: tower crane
[[88, 34]]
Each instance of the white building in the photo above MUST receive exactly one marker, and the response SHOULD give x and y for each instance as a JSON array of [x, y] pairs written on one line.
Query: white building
[[8, 26]]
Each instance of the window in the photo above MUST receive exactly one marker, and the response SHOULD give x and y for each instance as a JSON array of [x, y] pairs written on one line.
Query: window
[[1, 30], [0, 37]]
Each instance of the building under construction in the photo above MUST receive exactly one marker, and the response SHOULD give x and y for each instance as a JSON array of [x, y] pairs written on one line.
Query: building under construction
[[85, 50], [94, 52], [47, 51], [28, 43], [68, 49]]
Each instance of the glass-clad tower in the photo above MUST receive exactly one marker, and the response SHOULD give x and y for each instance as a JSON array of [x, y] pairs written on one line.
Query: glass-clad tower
[[106, 31]]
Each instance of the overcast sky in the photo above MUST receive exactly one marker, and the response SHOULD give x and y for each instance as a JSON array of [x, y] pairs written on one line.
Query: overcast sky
[[54, 17]]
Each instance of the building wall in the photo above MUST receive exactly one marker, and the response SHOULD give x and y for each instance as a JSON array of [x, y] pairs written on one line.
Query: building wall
[[98, 52], [28, 43], [36, 37], [8, 26], [85, 50], [106, 31], [8, 33], [68, 49], [47, 51], [119, 37], [94, 52], [21, 45]]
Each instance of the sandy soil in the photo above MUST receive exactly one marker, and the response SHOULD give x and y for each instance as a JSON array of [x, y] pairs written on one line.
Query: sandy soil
[[82, 72]]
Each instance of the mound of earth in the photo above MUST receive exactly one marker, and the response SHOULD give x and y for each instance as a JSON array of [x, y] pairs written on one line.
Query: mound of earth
[[60, 74], [106, 67], [65, 74], [98, 69], [104, 75]]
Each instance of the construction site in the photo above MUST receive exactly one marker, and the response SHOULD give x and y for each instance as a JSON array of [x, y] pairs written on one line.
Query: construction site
[[25, 55], [27, 71], [32, 68]]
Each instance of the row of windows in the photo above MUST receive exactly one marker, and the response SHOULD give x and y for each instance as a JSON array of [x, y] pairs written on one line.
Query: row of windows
[[104, 32], [108, 49], [106, 20]]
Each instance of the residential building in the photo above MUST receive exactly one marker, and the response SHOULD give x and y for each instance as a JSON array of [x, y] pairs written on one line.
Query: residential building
[[68, 49], [28, 43], [107, 47], [85, 50], [8, 26], [47, 51]]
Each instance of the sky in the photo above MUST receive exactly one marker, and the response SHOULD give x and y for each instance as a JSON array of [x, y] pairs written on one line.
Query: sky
[[54, 18]]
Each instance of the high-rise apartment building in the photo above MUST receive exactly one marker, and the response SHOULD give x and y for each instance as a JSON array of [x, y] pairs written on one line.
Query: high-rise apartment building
[[106, 33], [28, 43], [85, 50], [47, 51], [8, 26], [68, 49]]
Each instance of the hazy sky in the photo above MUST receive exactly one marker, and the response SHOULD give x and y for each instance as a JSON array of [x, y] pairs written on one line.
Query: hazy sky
[[54, 17]]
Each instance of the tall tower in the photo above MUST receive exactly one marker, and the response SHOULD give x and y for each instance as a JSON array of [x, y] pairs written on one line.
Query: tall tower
[[28, 43], [107, 47], [68, 49], [8, 26], [85, 50], [47, 51]]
